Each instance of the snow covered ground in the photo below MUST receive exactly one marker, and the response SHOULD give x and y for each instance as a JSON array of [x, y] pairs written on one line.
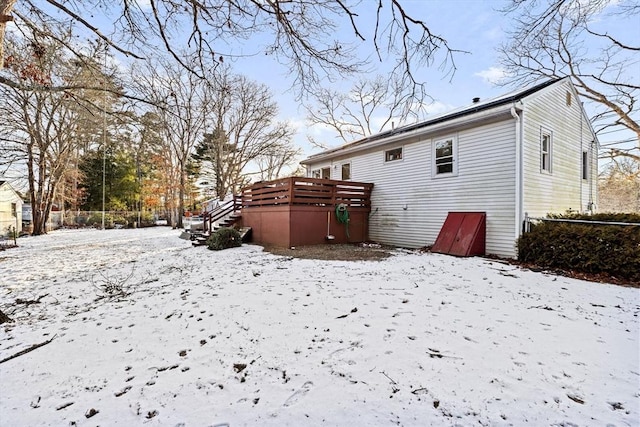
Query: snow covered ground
[[243, 337]]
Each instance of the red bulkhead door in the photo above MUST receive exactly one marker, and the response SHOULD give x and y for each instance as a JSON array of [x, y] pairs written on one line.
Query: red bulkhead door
[[463, 234]]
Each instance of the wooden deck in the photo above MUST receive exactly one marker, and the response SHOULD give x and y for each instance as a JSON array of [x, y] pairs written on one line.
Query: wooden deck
[[300, 191], [301, 211]]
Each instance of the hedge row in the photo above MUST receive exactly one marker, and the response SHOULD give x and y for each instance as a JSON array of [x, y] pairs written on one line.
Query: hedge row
[[589, 248]]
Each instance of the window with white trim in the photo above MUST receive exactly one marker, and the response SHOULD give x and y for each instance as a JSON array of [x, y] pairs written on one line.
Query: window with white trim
[[546, 145], [393, 154], [324, 173], [346, 171], [585, 165], [445, 157]]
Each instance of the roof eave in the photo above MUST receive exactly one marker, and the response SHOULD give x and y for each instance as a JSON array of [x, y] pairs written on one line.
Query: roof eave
[[467, 120]]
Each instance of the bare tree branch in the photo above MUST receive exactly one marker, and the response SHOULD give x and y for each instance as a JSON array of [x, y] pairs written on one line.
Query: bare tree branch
[[555, 39]]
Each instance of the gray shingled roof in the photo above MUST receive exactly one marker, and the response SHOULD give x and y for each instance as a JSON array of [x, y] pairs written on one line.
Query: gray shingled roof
[[450, 115]]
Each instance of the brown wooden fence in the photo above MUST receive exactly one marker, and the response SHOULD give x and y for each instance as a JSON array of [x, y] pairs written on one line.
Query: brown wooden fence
[[307, 192]]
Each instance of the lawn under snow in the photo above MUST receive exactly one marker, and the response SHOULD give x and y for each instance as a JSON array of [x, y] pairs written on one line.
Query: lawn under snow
[[243, 337]]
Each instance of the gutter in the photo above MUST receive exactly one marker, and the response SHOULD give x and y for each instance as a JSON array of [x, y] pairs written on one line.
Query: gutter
[[463, 121]]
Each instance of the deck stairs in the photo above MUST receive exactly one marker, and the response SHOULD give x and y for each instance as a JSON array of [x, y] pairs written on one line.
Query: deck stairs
[[226, 214]]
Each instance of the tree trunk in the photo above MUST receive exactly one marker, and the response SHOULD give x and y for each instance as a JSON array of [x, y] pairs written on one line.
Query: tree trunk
[[4, 318], [6, 6]]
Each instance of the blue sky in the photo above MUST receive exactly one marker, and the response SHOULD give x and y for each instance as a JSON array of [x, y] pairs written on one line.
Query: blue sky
[[475, 26], [468, 25]]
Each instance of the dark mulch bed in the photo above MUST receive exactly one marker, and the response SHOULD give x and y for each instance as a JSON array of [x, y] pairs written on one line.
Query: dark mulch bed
[[336, 252]]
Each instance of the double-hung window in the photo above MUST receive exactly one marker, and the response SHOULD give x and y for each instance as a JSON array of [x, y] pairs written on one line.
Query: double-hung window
[[585, 165], [346, 171], [445, 157], [546, 145]]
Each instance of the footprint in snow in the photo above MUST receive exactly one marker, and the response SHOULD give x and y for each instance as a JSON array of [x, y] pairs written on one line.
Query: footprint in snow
[[298, 394]]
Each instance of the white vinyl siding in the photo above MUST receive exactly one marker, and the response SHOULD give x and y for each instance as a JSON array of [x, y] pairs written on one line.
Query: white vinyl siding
[[481, 185], [10, 209], [563, 189]]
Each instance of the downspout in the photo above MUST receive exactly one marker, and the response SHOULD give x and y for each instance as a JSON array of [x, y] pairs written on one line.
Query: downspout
[[593, 158], [583, 166], [519, 173]]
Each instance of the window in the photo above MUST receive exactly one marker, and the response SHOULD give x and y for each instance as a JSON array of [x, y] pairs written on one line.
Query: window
[[346, 171], [324, 173], [585, 165], [14, 208], [545, 151], [394, 154], [445, 157]]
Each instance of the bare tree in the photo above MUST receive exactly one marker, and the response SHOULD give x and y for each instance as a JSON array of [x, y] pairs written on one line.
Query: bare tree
[[276, 159], [6, 6], [619, 186], [39, 129], [560, 38], [242, 115], [368, 108], [299, 33], [181, 105]]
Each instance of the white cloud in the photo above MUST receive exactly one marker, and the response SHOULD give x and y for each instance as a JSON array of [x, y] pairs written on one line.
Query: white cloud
[[492, 75]]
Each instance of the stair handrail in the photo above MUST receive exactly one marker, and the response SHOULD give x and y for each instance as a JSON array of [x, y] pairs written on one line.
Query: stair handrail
[[222, 210]]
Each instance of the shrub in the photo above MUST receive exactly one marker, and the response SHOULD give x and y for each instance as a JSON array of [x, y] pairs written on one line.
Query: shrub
[[588, 248], [224, 238], [95, 220]]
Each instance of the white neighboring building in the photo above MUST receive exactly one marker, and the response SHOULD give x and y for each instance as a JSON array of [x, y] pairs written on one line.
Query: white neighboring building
[[530, 151], [10, 209]]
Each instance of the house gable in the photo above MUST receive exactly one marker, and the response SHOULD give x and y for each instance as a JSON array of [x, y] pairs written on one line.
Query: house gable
[[557, 138]]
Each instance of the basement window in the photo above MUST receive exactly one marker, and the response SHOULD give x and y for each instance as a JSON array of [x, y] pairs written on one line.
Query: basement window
[[394, 154]]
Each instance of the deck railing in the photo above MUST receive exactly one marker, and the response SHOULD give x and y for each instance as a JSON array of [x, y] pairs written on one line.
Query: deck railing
[[301, 191]]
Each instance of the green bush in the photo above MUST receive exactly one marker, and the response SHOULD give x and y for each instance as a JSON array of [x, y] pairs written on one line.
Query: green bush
[[588, 248], [224, 238], [95, 220]]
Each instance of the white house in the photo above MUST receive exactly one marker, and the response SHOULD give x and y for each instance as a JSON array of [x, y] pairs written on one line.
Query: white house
[[10, 209], [532, 151]]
